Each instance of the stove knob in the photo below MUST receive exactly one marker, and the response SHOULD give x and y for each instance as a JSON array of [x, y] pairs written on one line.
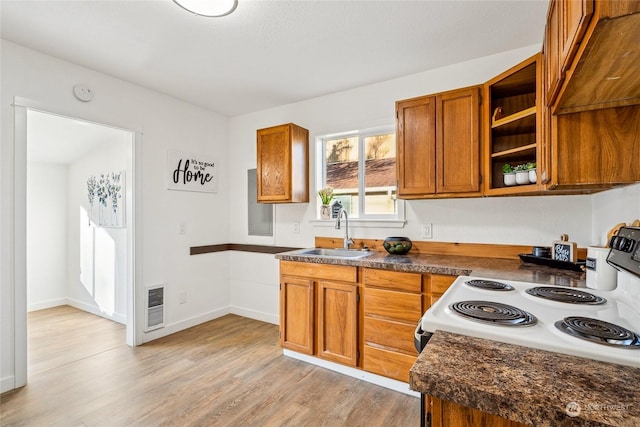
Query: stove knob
[[616, 242], [623, 244], [629, 245]]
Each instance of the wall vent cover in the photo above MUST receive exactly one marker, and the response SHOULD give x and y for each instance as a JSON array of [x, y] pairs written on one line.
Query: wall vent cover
[[155, 308]]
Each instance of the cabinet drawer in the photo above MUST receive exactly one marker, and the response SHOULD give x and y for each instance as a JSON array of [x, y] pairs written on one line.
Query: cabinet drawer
[[397, 335], [440, 283], [343, 273], [409, 282], [393, 305], [388, 363]]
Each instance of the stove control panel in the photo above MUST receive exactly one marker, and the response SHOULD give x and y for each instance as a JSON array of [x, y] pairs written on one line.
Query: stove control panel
[[625, 250]]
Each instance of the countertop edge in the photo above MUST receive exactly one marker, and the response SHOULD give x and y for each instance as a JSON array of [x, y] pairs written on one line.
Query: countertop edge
[[547, 382]]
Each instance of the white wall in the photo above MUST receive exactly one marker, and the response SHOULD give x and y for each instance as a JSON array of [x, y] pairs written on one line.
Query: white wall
[[97, 256], [46, 235], [165, 123], [621, 205]]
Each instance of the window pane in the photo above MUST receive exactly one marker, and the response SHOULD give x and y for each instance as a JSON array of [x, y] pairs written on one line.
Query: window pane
[[341, 157], [380, 174]]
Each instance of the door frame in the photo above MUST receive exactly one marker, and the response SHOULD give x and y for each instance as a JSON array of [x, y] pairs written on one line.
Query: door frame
[[135, 306]]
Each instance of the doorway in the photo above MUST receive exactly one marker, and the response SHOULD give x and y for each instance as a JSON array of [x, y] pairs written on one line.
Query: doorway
[[77, 190], [100, 270]]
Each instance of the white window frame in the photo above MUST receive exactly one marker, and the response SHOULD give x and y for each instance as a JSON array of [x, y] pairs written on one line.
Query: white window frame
[[363, 220]]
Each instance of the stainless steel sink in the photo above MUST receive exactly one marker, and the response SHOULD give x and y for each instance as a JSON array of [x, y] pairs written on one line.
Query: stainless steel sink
[[335, 253]]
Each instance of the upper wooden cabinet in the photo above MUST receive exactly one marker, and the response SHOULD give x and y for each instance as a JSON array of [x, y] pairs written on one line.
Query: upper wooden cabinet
[[595, 150], [592, 53], [514, 135], [567, 21], [438, 145], [552, 52], [283, 164]]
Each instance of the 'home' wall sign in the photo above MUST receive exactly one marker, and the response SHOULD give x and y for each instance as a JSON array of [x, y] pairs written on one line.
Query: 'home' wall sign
[[191, 172]]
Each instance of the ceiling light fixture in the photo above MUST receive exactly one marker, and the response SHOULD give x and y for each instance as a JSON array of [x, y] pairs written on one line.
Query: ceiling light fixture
[[208, 8]]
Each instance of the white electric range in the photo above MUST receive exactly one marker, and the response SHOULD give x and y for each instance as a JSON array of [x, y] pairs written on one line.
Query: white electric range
[[600, 325]]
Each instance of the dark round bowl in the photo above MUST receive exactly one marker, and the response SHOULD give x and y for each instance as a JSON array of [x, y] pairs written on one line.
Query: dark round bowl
[[541, 251], [397, 245]]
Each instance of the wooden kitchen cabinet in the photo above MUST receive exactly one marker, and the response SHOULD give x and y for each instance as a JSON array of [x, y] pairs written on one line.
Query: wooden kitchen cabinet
[[514, 134], [436, 285], [595, 150], [319, 310], [283, 164], [297, 314], [567, 22], [593, 119], [592, 53], [394, 302], [338, 322], [444, 413], [393, 305], [438, 145]]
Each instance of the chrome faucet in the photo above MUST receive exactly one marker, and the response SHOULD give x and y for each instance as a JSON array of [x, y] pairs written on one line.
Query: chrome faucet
[[347, 239]]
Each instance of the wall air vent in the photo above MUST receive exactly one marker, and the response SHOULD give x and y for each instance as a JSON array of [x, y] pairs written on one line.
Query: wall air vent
[[155, 308]]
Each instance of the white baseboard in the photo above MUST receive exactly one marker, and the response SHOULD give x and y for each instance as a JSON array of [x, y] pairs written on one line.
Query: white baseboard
[[42, 305], [254, 314], [172, 328], [385, 382], [116, 317], [7, 383]]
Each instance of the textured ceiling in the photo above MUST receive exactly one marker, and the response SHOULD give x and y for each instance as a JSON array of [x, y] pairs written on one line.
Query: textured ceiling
[[269, 53]]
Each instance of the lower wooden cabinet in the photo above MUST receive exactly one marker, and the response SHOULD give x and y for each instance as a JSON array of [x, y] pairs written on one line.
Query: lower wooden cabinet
[[388, 362], [321, 314], [319, 310], [443, 413], [297, 314], [337, 322], [437, 285], [393, 305]]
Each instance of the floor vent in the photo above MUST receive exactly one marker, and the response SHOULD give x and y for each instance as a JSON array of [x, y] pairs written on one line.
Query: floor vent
[[155, 308]]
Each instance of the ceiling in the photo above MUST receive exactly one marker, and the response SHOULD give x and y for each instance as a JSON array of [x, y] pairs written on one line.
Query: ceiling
[[269, 52]]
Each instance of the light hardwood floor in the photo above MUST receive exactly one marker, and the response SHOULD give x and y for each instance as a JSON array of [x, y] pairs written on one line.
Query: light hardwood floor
[[227, 372]]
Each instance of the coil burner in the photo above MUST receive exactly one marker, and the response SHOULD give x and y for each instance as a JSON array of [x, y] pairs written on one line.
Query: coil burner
[[571, 296], [599, 331], [489, 285], [494, 313]]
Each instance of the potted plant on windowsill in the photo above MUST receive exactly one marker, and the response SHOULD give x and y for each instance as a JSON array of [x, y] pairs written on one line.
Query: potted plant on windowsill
[[326, 194], [509, 175]]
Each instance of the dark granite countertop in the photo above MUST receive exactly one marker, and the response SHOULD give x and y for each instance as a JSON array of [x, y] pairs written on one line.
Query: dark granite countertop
[[494, 268], [526, 385]]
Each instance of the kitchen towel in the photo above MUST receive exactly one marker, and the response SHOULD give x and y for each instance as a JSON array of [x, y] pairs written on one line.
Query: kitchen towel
[[600, 275]]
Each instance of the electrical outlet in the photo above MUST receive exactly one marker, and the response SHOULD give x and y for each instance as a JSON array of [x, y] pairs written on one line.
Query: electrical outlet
[[296, 227], [182, 228], [427, 231], [182, 298]]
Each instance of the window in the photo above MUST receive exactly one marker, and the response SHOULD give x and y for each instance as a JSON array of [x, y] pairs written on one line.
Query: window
[[361, 168]]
